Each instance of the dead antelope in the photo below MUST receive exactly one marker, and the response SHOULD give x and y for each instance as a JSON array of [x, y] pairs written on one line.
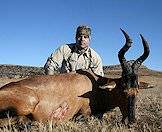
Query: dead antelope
[[61, 97]]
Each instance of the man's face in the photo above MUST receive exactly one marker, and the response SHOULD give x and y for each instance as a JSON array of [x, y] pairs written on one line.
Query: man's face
[[83, 41]]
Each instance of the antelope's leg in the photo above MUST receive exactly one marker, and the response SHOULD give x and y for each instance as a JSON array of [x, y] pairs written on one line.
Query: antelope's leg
[[20, 99], [77, 106], [124, 110], [85, 110], [131, 108], [58, 110]]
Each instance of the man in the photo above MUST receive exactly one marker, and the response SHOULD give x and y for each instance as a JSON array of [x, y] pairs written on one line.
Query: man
[[71, 57]]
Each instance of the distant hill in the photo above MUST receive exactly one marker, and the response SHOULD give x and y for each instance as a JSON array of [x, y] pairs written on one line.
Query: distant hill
[[19, 71]]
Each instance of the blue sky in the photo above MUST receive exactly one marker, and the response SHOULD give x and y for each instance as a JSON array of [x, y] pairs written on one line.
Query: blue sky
[[30, 30]]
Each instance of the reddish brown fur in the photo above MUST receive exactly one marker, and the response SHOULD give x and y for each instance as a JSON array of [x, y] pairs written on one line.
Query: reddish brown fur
[[42, 95]]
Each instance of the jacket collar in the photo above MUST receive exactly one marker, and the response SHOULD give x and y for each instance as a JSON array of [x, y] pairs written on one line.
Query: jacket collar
[[85, 52]]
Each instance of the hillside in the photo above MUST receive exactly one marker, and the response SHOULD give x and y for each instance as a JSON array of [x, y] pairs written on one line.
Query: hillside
[[18, 71]]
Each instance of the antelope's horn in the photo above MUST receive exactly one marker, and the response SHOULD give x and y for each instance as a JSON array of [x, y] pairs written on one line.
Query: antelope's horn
[[124, 49], [143, 57], [128, 39]]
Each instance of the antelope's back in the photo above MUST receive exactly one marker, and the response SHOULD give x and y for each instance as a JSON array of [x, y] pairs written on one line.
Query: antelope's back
[[67, 83]]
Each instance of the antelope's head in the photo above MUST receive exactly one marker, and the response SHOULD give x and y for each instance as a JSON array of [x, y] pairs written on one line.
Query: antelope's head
[[130, 70]]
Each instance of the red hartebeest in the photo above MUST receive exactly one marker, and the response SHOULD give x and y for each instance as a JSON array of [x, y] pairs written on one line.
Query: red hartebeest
[[60, 97]]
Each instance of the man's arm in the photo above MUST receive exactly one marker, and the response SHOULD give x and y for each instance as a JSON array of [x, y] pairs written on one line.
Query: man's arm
[[98, 69], [97, 66], [54, 62]]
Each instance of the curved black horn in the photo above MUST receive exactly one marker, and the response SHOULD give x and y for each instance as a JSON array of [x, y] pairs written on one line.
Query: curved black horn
[[143, 57], [128, 39], [124, 49]]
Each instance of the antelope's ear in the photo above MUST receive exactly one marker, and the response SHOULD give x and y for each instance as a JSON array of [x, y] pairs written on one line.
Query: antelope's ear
[[145, 85], [111, 85]]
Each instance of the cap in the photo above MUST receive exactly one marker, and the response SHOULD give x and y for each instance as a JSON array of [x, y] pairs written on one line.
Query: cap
[[83, 30]]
